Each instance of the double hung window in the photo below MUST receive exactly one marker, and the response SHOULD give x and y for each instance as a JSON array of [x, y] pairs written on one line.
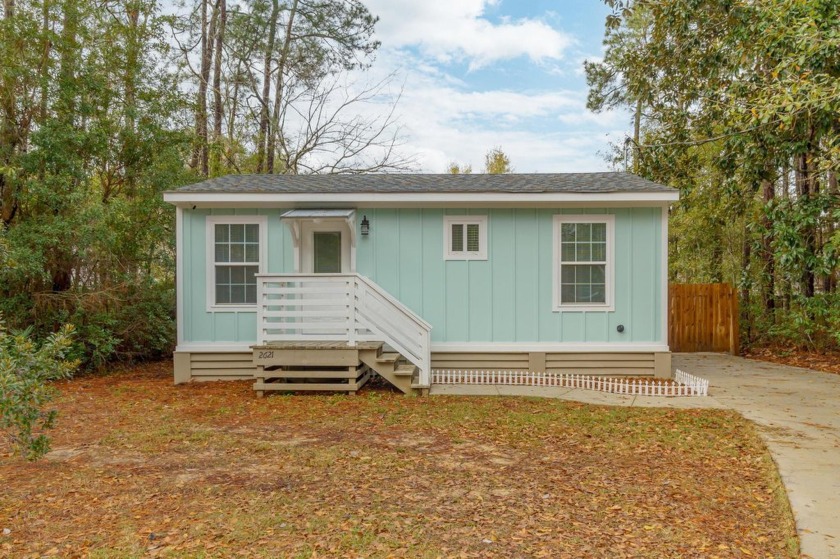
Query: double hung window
[[583, 262], [235, 255]]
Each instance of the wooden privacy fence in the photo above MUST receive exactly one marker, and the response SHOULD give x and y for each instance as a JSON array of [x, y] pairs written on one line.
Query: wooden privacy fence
[[703, 317]]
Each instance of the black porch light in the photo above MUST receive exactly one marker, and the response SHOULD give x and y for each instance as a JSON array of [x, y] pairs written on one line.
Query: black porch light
[[365, 226]]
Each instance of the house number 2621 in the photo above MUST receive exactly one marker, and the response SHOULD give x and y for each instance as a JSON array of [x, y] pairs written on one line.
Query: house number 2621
[[265, 355]]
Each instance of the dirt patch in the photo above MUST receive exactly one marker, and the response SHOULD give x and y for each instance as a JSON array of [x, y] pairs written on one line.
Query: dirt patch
[[144, 468], [63, 454]]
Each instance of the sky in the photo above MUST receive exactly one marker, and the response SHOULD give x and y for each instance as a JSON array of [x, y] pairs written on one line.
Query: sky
[[479, 74]]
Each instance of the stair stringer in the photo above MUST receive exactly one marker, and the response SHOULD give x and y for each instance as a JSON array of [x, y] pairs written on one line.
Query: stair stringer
[[398, 372]]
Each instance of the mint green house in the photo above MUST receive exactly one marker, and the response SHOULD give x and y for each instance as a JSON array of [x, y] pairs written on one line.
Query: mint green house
[[290, 279]]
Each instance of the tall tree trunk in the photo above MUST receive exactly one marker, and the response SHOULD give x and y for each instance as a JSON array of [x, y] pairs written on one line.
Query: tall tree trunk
[[829, 281], [768, 190], [278, 90], [60, 268], [45, 61], [207, 35], [786, 180], [783, 284], [8, 133], [132, 56], [8, 199], [804, 184], [266, 90], [233, 107], [217, 90], [67, 62], [201, 96], [746, 255], [8, 202], [716, 260], [637, 129], [132, 60]]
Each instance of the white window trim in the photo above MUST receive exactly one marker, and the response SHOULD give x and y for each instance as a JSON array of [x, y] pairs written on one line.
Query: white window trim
[[210, 256], [609, 274], [448, 221]]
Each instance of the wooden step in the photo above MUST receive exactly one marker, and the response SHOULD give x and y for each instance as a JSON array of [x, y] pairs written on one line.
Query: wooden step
[[349, 372], [390, 366], [387, 357], [406, 370], [418, 388], [293, 381], [307, 386]]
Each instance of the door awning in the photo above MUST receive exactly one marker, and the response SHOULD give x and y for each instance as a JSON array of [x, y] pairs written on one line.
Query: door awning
[[318, 214], [293, 219]]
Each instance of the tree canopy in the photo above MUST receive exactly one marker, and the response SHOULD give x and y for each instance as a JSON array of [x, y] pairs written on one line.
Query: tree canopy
[[104, 106], [272, 89], [496, 162], [735, 102]]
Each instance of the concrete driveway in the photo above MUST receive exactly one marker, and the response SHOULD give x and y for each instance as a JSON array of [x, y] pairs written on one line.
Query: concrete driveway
[[798, 414]]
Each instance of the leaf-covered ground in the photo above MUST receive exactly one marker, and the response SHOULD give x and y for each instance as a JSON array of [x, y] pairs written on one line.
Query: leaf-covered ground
[[827, 361], [143, 468]]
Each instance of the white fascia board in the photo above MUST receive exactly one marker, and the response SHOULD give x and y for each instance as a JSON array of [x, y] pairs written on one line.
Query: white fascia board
[[426, 199]]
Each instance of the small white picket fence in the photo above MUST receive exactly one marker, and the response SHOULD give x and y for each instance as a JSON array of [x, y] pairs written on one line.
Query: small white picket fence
[[683, 384]]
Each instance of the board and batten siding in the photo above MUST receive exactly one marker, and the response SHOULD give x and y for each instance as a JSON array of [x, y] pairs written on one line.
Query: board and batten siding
[[506, 298], [199, 325]]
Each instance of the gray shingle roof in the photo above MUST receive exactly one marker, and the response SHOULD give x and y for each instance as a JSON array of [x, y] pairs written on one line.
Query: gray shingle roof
[[583, 183]]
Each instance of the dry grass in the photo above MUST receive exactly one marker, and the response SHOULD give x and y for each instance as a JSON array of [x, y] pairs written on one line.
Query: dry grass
[[143, 468]]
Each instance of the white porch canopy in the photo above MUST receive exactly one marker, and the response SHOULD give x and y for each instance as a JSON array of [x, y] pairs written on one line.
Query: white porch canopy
[[294, 219]]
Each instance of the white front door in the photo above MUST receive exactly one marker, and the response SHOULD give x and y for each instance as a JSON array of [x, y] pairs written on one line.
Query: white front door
[[325, 248]]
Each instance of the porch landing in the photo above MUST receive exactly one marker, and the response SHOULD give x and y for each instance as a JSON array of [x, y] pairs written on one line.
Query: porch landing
[[317, 365], [316, 344]]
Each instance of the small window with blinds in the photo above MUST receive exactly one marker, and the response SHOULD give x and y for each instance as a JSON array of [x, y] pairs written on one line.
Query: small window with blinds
[[465, 237]]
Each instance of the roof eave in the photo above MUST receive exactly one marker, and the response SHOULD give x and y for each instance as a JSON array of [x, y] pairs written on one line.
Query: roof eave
[[275, 199]]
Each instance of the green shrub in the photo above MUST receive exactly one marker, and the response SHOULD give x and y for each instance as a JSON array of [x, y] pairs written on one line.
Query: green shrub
[[26, 370], [126, 322], [812, 323], [133, 323], [111, 279]]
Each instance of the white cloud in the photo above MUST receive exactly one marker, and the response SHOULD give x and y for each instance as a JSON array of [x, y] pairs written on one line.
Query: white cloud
[[455, 30], [449, 117], [502, 104], [541, 131]]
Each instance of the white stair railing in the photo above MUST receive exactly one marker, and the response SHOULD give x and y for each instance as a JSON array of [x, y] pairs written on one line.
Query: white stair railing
[[390, 321], [340, 307]]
